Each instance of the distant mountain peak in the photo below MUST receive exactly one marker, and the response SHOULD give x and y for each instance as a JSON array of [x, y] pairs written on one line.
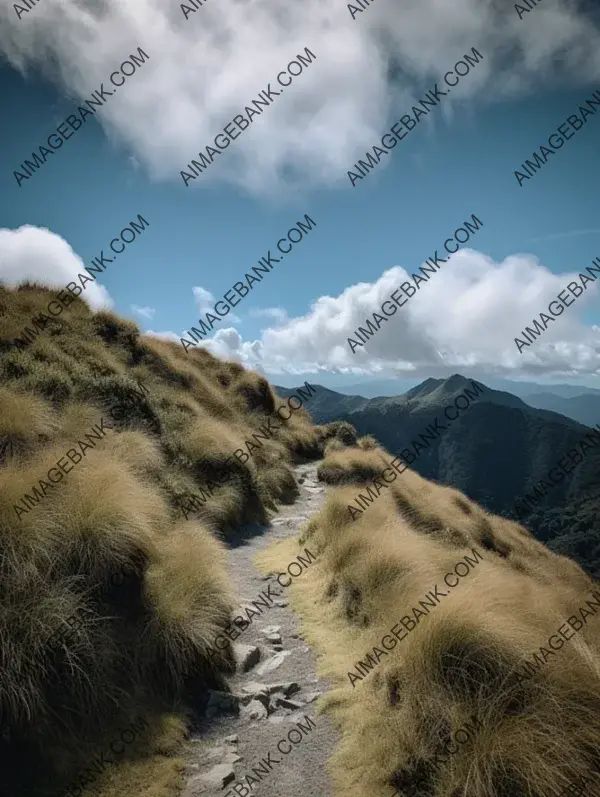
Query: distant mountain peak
[[424, 389], [441, 387], [457, 382]]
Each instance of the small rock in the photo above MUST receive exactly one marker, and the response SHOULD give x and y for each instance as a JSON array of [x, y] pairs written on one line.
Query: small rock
[[274, 662], [270, 630], [254, 687], [311, 697], [232, 758], [305, 649], [301, 479], [285, 702], [273, 639], [276, 720], [287, 687], [246, 656], [246, 699], [216, 752], [295, 636], [221, 703], [277, 647], [220, 775], [233, 739], [261, 697], [281, 604], [255, 710]]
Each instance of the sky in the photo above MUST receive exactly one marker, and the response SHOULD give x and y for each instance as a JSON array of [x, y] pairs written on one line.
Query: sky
[[364, 71]]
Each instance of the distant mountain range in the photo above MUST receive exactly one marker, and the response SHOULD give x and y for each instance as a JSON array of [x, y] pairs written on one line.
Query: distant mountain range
[[373, 388], [579, 403], [394, 387], [495, 450]]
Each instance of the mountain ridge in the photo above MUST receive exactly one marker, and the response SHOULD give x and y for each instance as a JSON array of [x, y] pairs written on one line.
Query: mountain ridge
[[496, 451]]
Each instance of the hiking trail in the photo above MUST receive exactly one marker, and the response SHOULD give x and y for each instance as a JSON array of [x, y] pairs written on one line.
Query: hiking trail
[[241, 730]]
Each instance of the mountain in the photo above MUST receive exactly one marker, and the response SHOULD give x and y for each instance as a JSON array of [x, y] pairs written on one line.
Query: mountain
[[496, 450], [373, 388], [584, 408], [330, 405]]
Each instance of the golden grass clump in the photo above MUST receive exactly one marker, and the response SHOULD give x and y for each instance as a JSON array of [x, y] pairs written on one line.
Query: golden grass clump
[[25, 421], [131, 601], [367, 442], [342, 430], [351, 464], [402, 697]]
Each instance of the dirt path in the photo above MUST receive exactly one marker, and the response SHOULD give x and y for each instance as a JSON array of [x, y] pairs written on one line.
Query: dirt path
[[239, 754]]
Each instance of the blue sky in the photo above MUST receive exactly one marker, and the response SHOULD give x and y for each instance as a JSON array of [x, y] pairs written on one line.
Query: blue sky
[[457, 162]]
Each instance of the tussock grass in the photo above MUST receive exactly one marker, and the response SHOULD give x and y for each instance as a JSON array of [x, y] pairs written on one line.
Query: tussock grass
[[351, 464], [342, 430], [108, 597], [367, 443], [533, 735]]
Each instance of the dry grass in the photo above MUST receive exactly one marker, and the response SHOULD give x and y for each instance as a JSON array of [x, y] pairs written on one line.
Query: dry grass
[[461, 660], [351, 464], [138, 647]]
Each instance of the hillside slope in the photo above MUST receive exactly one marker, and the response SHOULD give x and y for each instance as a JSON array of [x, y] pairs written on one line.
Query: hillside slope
[[125, 464], [465, 655]]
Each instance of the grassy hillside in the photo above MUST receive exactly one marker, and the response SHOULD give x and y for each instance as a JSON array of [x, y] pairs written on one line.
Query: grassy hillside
[[464, 654], [118, 487]]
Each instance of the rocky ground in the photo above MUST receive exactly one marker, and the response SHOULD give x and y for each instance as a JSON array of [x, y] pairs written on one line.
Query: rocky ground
[[262, 737]]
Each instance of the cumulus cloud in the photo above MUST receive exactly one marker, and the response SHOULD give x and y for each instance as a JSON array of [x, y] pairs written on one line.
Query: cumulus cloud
[[466, 316], [145, 312], [203, 71], [36, 254]]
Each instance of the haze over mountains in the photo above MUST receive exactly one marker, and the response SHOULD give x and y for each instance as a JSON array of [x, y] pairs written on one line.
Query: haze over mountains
[[495, 450], [584, 408], [373, 388]]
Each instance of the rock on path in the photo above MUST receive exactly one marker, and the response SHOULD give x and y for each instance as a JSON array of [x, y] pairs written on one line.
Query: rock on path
[[274, 688]]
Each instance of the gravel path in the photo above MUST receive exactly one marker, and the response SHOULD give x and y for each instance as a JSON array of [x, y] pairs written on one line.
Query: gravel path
[[234, 750]]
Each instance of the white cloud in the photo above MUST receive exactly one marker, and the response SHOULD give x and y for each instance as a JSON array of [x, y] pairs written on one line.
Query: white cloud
[[276, 314], [145, 312], [466, 316], [168, 335], [205, 303], [36, 254], [203, 299], [202, 71]]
